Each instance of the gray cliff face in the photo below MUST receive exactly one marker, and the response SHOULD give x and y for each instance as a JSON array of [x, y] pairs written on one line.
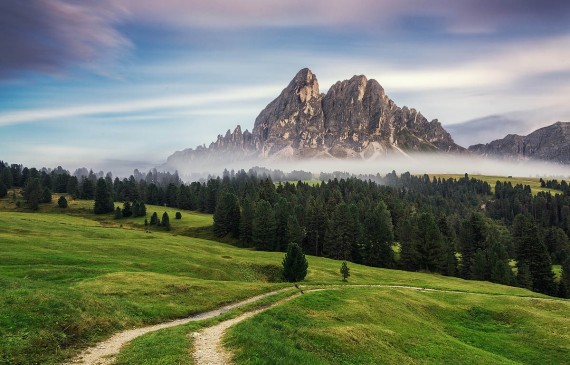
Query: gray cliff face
[[550, 143], [355, 119]]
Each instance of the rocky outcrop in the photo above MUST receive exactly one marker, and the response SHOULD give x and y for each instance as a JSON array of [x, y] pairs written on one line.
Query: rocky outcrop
[[550, 143], [355, 119]]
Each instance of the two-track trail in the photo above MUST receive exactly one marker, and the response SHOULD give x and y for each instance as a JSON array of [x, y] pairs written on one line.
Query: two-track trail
[[208, 348]]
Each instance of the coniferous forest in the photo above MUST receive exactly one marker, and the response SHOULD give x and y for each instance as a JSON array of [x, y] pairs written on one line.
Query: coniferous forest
[[456, 227]]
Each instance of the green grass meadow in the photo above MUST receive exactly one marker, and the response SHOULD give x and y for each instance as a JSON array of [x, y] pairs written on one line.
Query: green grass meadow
[[69, 278], [399, 326]]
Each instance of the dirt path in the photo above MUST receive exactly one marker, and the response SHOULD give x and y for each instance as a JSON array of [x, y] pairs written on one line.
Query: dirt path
[[208, 348], [104, 352]]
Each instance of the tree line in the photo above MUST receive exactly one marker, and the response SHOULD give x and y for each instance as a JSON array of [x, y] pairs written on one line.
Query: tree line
[[456, 227]]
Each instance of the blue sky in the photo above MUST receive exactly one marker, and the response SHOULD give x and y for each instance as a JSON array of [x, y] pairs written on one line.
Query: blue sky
[[123, 84]]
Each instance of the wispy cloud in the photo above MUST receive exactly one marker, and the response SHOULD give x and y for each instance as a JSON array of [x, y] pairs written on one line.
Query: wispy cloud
[[175, 101], [50, 35]]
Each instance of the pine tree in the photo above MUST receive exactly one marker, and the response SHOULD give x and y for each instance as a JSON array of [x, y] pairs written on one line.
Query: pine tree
[[3, 190], [46, 195], [6, 178], [342, 233], [165, 221], [127, 209], [62, 202], [103, 201], [282, 213], [227, 215], [118, 213], [246, 222], [87, 189], [294, 263], [33, 193], [564, 285], [263, 226], [295, 232], [154, 219], [409, 255], [533, 253], [344, 271], [472, 239], [316, 225], [524, 279], [429, 244], [378, 237]]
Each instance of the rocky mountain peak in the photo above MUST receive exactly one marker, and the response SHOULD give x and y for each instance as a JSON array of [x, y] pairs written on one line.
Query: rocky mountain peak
[[355, 119]]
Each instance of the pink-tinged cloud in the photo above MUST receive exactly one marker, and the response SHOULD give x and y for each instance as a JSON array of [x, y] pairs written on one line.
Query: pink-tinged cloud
[[48, 35]]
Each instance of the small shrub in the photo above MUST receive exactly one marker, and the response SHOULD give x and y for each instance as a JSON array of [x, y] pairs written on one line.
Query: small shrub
[[178, 215], [345, 271]]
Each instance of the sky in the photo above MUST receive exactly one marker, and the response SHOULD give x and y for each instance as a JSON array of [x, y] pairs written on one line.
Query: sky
[[122, 84]]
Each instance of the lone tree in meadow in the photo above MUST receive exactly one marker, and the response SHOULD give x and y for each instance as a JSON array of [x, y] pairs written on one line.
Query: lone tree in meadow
[[344, 271], [62, 202], [294, 263], [165, 221]]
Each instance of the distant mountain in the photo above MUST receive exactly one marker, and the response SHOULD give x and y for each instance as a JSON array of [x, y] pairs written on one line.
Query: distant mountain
[[550, 143], [355, 119]]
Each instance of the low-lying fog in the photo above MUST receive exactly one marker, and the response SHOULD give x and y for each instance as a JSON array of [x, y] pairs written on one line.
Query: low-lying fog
[[415, 164]]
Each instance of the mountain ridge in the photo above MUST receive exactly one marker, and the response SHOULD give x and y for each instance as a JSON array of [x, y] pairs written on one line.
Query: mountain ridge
[[550, 143], [355, 119]]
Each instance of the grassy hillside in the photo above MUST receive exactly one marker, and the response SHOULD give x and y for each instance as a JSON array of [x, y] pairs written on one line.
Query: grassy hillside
[[69, 278], [533, 182], [397, 326]]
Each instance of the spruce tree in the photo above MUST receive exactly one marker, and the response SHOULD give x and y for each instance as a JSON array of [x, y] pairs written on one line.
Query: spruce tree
[[342, 234], [154, 219], [33, 193], [3, 190], [127, 209], [87, 189], [282, 212], [118, 213], [564, 285], [103, 200], [344, 271], [533, 253], [429, 244], [473, 235], [409, 255], [227, 215], [6, 178], [46, 195], [264, 226], [316, 225], [378, 237], [295, 232], [62, 202], [246, 222], [165, 222], [294, 263]]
